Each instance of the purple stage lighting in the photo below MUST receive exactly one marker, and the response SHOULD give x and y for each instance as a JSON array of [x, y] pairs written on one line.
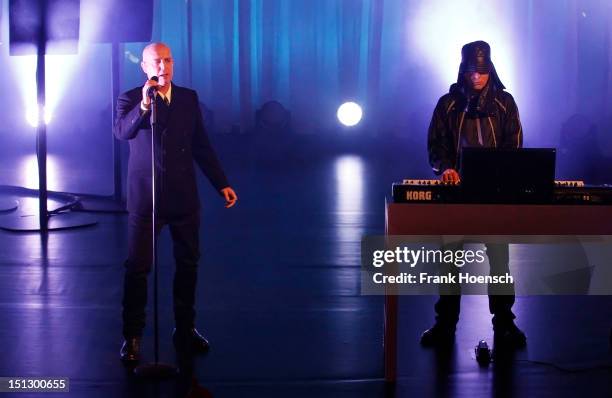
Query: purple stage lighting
[[440, 28], [34, 114]]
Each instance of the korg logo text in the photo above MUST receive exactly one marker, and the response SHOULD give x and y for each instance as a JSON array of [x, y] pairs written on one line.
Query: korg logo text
[[418, 195]]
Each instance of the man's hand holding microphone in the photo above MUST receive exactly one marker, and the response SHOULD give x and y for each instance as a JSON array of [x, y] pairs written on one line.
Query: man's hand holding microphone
[[148, 91]]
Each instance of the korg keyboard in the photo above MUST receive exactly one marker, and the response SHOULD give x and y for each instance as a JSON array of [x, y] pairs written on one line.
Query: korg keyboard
[[437, 191]]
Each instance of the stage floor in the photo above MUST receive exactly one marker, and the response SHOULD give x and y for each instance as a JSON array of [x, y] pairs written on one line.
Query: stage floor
[[278, 296]]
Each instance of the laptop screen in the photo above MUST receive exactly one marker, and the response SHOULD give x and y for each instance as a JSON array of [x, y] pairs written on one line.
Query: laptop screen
[[508, 175]]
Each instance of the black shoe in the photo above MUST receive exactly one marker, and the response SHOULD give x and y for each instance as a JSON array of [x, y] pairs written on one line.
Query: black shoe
[[130, 350], [190, 340], [508, 336], [438, 336]]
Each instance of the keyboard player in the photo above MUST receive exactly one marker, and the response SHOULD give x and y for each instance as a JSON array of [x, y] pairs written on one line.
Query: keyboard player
[[476, 112]]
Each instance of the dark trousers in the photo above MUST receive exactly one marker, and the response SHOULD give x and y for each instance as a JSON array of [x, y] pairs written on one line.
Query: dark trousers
[[185, 238], [500, 301]]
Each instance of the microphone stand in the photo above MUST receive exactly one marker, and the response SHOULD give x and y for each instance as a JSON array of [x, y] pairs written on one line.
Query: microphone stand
[[156, 369]]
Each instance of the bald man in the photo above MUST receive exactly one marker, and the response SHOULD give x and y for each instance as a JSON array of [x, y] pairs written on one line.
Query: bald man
[[181, 139]]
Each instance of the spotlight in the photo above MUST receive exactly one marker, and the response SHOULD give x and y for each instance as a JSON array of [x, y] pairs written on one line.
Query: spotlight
[[349, 114], [33, 115], [446, 34]]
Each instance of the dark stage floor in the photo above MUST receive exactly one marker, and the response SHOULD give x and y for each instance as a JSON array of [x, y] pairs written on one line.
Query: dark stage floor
[[278, 294]]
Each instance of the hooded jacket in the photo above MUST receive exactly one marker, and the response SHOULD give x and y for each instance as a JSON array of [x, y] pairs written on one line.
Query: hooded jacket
[[498, 117]]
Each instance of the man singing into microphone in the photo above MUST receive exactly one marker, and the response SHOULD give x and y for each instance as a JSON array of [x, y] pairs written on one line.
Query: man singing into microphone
[[181, 139]]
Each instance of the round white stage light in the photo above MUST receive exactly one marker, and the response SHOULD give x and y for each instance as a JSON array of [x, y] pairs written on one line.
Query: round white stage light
[[349, 114]]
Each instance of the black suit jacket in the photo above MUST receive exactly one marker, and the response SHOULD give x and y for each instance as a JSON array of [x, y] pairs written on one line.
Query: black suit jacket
[[181, 139]]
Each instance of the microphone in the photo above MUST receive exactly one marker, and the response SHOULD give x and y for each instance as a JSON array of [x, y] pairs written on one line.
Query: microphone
[[152, 90]]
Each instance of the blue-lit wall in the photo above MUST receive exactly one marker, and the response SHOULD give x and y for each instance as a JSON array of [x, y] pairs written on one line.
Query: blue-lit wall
[[395, 57]]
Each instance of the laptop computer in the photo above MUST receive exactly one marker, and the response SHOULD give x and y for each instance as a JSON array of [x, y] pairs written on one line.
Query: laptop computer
[[522, 175]]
